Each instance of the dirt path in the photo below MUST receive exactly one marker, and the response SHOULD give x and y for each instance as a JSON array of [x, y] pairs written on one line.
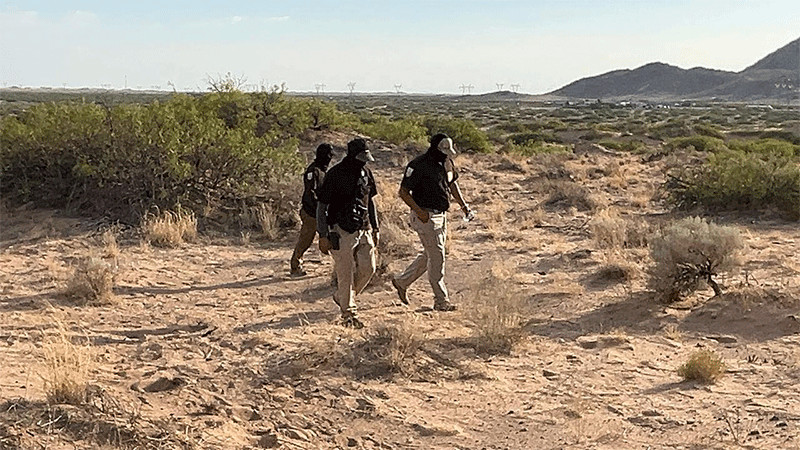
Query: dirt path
[[218, 341]]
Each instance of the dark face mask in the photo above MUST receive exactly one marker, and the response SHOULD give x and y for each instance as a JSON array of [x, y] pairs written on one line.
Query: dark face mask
[[324, 160]]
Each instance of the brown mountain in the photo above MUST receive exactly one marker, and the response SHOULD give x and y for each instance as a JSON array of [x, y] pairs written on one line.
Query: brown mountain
[[774, 78]]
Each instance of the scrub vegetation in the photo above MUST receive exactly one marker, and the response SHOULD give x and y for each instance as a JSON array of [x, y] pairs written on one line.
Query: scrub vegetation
[[146, 302]]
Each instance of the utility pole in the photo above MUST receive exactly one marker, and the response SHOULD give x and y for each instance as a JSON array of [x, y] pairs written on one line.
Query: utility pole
[[397, 87], [352, 86], [499, 86], [463, 88], [320, 88], [469, 88], [515, 88]]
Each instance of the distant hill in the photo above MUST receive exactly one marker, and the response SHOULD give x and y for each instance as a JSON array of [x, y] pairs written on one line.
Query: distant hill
[[774, 78]]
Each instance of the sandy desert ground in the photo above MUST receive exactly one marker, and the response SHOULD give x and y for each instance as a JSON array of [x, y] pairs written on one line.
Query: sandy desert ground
[[213, 345]]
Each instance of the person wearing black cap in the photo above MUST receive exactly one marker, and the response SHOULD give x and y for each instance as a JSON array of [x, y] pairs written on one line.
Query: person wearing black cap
[[312, 180], [428, 183], [347, 223]]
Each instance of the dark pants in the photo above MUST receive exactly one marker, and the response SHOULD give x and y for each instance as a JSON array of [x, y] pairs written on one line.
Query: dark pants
[[308, 229]]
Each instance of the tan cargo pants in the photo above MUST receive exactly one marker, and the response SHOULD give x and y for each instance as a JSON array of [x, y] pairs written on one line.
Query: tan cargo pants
[[308, 229], [354, 263], [433, 235]]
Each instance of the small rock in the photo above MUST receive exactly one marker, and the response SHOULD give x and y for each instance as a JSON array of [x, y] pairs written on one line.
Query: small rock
[[163, 384], [724, 339], [351, 442], [651, 413], [269, 440], [245, 413], [281, 394], [300, 435], [587, 342], [549, 373], [781, 424], [573, 359]]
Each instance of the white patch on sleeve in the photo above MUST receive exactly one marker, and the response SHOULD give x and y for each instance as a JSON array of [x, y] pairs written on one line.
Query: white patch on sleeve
[[449, 177], [309, 176], [409, 171]]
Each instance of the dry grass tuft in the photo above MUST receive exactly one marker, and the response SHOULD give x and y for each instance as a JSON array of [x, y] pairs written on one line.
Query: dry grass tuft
[[497, 312], [388, 349], [67, 367], [565, 194], [267, 220], [110, 246], [170, 229], [610, 230], [92, 283], [704, 366]]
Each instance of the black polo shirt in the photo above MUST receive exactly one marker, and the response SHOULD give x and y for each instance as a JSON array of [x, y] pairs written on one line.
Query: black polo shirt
[[428, 178], [312, 180], [347, 190]]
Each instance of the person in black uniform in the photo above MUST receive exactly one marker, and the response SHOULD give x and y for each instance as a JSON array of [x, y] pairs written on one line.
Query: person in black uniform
[[312, 180], [347, 223], [428, 182]]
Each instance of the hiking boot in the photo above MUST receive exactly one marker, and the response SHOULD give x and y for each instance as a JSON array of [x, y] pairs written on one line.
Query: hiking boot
[[352, 322], [444, 306], [298, 272], [401, 292]]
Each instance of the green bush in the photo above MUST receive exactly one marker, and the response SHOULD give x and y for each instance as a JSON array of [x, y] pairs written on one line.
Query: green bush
[[395, 131], [672, 128], [699, 143], [708, 130], [466, 135], [532, 148], [766, 147], [222, 148], [739, 180], [534, 136]]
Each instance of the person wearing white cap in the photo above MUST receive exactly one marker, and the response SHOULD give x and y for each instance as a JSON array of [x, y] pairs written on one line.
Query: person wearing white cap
[[347, 223], [428, 183]]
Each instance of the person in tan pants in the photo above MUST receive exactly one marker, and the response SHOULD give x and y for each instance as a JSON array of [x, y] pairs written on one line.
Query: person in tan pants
[[312, 180], [347, 222], [428, 183]]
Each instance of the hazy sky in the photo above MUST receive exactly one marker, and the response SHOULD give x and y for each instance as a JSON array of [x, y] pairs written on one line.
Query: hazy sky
[[425, 45]]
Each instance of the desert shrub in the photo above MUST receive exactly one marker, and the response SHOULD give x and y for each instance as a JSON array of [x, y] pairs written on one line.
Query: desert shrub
[[466, 135], [92, 283], [699, 143], [534, 136], [515, 126], [67, 368], [596, 134], [771, 147], [738, 180], [568, 193], [705, 129], [704, 366], [533, 148], [122, 161], [672, 128], [610, 230], [691, 252], [406, 130], [387, 350], [497, 312], [784, 135], [170, 229], [625, 146]]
